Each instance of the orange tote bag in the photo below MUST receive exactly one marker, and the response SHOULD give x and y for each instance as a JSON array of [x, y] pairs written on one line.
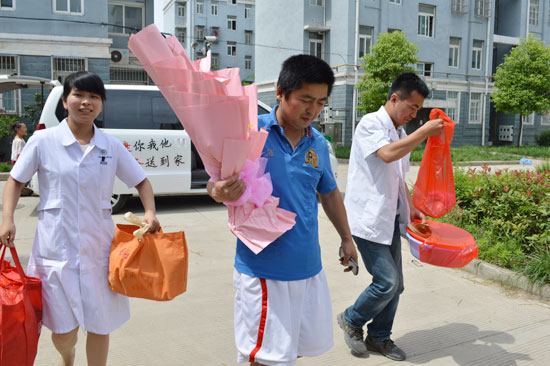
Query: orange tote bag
[[153, 268], [20, 313]]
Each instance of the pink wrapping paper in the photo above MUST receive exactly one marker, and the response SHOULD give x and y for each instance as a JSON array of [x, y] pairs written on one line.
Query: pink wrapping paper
[[221, 118]]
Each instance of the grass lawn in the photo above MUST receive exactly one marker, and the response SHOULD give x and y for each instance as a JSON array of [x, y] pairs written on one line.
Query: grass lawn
[[475, 153]]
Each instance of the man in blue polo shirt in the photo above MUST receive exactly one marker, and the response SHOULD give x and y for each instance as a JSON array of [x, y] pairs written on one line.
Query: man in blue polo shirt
[[282, 303]]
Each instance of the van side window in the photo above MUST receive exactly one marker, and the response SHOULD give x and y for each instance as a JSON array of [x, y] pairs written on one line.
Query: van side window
[[132, 109], [138, 109], [262, 110]]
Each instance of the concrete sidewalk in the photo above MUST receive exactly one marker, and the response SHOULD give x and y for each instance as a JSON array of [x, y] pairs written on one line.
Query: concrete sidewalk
[[446, 316]]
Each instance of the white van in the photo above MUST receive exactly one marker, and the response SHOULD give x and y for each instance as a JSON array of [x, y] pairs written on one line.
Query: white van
[[142, 119]]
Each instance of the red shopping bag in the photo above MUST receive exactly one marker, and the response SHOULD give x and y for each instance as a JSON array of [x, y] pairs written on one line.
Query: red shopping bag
[[20, 313], [434, 190]]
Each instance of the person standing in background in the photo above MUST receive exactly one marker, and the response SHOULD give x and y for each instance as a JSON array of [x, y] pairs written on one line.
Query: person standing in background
[[18, 143]]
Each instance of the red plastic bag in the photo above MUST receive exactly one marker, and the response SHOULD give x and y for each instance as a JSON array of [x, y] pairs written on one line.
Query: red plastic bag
[[20, 313], [434, 190]]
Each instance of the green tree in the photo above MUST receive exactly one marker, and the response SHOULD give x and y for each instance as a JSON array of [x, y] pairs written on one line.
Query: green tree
[[521, 81], [6, 121], [391, 56], [34, 110]]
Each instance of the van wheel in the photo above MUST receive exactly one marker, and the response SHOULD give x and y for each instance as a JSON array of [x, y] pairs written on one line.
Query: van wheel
[[118, 201]]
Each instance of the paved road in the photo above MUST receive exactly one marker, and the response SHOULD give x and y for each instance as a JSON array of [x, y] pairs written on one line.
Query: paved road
[[446, 316]]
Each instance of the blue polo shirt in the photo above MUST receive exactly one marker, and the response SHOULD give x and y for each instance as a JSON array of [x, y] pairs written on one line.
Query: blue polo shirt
[[297, 176]]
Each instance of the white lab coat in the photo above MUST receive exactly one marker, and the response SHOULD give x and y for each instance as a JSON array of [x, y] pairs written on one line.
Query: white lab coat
[[74, 232], [374, 186]]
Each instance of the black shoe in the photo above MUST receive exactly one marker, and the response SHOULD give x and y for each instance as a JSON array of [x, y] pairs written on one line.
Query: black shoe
[[387, 348]]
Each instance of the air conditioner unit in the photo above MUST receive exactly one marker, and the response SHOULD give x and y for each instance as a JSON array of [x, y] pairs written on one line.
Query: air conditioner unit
[[326, 116], [120, 56]]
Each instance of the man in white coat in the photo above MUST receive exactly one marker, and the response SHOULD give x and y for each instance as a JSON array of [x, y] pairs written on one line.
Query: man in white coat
[[379, 206]]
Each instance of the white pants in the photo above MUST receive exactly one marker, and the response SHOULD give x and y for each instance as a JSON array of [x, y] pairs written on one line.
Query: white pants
[[277, 321]]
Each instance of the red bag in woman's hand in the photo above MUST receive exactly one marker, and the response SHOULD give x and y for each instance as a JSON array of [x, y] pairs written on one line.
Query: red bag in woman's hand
[[434, 190], [20, 313]]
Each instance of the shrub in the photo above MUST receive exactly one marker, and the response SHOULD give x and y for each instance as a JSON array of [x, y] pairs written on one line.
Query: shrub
[[508, 212], [342, 152], [5, 167], [543, 139]]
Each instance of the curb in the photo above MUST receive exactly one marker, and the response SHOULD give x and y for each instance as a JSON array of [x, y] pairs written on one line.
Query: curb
[[507, 277], [4, 176]]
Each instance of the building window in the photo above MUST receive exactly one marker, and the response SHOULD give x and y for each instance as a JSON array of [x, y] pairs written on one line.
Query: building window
[[545, 118], [475, 107], [7, 5], [426, 17], [215, 60], [125, 19], [232, 2], [200, 33], [391, 30], [248, 11], [398, 2], [231, 22], [365, 40], [529, 119], [248, 37], [63, 67], [534, 12], [181, 10], [459, 6], [316, 44], [482, 8], [180, 35], [424, 68], [128, 76], [454, 52], [214, 9], [316, 2], [67, 6], [452, 111], [477, 52], [200, 7], [231, 48], [248, 62], [8, 100]]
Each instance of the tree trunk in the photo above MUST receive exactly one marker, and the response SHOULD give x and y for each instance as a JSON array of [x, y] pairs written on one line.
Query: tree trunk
[[520, 136]]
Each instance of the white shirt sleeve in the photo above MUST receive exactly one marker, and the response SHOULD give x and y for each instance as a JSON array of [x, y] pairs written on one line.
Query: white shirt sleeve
[[371, 136], [128, 169], [28, 161]]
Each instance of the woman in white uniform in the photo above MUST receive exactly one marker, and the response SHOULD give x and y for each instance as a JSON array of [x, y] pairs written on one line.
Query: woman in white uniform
[[76, 164], [18, 143]]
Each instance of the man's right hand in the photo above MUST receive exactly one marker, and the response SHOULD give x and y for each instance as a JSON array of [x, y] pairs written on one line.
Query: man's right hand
[[433, 127], [228, 190]]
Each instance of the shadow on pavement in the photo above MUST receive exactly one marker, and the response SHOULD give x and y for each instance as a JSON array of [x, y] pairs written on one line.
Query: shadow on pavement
[[180, 204], [465, 343]]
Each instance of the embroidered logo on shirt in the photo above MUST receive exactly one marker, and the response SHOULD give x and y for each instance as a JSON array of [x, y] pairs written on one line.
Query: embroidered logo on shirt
[[103, 157], [269, 152], [312, 158]]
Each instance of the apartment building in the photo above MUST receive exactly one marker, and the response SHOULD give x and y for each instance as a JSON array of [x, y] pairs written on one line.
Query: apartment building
[[51, 39], [461, 42], [226, 27]]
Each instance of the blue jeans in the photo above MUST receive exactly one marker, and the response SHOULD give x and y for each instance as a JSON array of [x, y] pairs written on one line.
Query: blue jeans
[[379, 301]]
